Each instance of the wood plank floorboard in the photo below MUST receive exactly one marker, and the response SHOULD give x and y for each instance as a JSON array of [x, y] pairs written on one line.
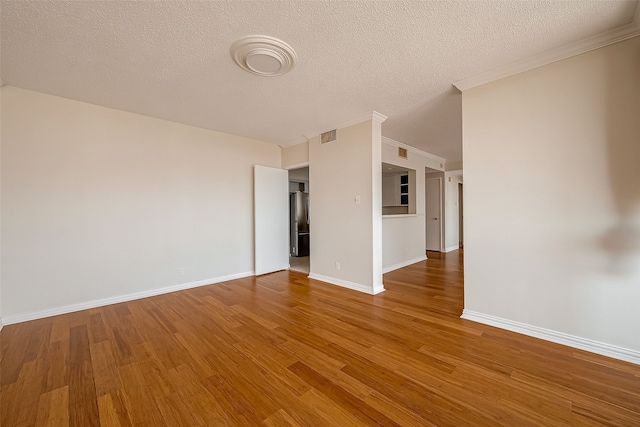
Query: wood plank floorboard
[[284, 350]]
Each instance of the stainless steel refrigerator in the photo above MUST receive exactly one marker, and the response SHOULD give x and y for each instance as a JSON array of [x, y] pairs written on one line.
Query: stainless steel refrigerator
[[299, 223]]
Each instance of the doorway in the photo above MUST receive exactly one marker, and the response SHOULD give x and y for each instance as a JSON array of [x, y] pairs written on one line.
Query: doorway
[[299, 220], [460, 217], [433, 209]]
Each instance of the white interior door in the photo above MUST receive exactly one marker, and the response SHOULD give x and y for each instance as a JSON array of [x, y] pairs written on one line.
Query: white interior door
[[271, 219], [432, 213]]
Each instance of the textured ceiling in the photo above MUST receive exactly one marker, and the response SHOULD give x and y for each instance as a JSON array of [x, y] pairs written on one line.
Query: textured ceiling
[[171, 59]]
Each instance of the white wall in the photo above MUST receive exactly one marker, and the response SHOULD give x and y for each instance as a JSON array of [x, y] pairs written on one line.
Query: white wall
[[344, 231], [403, 241], [403, 237], [552, 199], [100, 203]]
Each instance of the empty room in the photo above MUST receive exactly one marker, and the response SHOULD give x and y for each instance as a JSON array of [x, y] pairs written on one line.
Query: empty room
[[319, 213]]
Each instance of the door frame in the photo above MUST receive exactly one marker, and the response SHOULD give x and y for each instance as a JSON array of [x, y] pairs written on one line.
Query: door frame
[[288, 168]]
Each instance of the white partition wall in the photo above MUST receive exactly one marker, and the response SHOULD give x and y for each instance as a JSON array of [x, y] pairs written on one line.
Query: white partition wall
[[346, 207]]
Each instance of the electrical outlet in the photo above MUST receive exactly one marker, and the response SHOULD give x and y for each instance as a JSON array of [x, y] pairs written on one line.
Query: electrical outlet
[[337, 265], [181, 271]]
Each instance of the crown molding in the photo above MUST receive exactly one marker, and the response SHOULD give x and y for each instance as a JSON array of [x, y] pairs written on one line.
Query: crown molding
[[373, 115], [294, 142], [377, 117], [572, 49], [393, 142]]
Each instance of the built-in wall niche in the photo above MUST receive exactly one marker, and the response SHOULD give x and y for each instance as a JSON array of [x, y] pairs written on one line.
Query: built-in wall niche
[[398, 190]]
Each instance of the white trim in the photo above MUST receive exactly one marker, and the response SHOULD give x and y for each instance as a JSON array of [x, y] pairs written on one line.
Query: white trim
[[394, 143], [24, 317], [452, 248], [621, 353], [591, 43], [297, 165], [404, 264], [1, 324], [373, 115], [346, 284], [377, 117], [399, 215]]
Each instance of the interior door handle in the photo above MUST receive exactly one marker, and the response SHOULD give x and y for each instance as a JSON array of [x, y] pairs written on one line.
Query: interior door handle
[[436, 218]]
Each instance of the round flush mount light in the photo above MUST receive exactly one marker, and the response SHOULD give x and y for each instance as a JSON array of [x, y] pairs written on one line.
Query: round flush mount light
[[264, 55]]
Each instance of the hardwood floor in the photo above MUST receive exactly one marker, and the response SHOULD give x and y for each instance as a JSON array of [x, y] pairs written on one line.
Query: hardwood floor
[[283, 350]]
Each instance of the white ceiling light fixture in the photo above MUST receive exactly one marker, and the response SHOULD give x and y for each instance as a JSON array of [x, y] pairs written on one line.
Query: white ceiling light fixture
[[264, 55]]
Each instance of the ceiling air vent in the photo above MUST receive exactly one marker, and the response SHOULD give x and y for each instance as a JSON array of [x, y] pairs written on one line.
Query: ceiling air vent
[[328, 137], [402, 152]]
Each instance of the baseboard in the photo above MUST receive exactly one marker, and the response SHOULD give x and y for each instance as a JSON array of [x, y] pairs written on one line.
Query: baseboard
[[451, 248], [346, 284], [1, 324], [25, 317], [597, 347], [403, 264]]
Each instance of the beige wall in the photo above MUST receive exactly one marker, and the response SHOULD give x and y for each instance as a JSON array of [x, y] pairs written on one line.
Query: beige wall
[[343, 231], [453, 166], [552, 197], [98, 203], [296, 155]]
